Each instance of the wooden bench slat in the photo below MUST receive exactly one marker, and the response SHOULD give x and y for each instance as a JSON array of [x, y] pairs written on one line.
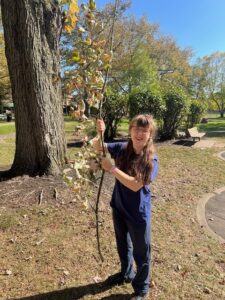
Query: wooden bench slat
[[195, 134]]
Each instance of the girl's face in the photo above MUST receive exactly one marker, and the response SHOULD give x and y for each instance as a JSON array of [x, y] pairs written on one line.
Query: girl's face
[[139, 136]]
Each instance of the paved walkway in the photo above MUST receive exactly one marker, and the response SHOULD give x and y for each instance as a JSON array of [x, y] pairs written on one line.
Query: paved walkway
[[208, 143], [215, 213], [204, 144], [211, 211]]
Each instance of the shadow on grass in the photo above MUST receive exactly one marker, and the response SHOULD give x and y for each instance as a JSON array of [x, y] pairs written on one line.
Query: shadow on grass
[[5, 173], [77, 293], [186, 143], [80, 143], [75, 144], [215, 134], [117, 297]]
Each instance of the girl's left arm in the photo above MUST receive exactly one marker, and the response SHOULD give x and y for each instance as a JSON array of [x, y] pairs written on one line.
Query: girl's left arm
[[129, 181]]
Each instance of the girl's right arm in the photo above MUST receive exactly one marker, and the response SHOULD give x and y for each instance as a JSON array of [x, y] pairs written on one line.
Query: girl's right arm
[[129, 181]]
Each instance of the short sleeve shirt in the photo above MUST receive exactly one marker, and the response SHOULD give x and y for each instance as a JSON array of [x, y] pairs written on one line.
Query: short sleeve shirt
[[135, 206]]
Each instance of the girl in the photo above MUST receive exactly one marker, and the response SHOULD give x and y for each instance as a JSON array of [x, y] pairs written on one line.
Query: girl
[[135, 167]]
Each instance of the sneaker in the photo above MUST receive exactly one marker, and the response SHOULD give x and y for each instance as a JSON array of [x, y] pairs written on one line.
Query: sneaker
[[140, 297], [117, 279]]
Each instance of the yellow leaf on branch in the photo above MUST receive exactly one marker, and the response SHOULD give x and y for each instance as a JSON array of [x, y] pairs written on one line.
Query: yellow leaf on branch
[[73, 19], [68, 28], [73, 8], [92, 5], [107, 57]]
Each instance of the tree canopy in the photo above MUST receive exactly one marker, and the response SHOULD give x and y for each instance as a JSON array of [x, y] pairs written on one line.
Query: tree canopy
[[210, 79]]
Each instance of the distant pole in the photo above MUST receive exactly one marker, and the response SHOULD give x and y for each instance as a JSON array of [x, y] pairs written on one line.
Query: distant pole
[[164, 72]]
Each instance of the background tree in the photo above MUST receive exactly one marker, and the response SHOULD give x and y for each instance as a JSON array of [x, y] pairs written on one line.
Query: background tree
[[197, 83], [213, 78], [168, 56], [32, 31], [132, 67]]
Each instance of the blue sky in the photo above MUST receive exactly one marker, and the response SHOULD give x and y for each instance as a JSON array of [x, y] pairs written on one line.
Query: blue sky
[[199, 24]]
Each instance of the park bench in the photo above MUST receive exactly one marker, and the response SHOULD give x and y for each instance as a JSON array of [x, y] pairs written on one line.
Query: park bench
[[195, 134]]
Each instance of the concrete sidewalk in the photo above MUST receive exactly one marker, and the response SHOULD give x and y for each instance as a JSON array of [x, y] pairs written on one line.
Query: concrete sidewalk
[[211, 214], [208, 143], [211, 211], [215, 213]]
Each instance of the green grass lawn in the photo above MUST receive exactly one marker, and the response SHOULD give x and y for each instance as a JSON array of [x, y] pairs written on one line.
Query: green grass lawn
[[7, 151], [185, 259], [214, 124], [7, 148], [123, 125], [70, 124], [51, 248], [7, 127]]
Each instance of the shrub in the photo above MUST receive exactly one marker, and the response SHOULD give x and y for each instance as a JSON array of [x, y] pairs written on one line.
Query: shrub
[[114, 108], [146, 102], [176, 109], [196, 111]]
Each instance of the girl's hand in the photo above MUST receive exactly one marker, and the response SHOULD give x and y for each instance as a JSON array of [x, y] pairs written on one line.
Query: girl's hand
[[106, 164], [100, 125]]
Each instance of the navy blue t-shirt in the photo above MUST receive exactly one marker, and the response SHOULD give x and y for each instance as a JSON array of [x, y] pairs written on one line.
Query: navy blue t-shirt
[[135, 206]]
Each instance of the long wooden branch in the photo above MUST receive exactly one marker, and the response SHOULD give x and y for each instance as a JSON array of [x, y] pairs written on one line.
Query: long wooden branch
[[102, 138]]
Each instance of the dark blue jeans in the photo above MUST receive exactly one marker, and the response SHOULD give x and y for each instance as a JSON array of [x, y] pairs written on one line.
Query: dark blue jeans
[[133, 243]]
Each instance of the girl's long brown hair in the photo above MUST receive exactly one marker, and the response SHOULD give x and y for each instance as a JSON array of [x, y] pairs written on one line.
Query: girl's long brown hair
[[139, 166]]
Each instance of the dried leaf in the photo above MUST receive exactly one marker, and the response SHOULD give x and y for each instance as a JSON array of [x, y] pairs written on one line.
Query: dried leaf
[[28, 258], [73, 20], [73, 8], [68, 28], [206, 290], [8, 272], [67, 273], [86, 204], [76, 188], [40, 242], [97, 279]]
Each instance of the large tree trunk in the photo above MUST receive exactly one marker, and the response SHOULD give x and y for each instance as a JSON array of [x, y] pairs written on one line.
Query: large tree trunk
[[32, 32]]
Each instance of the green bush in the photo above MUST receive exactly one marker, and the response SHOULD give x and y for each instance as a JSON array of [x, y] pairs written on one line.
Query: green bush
[[113, 109], [196, 111], [176, 110], [146, 102]]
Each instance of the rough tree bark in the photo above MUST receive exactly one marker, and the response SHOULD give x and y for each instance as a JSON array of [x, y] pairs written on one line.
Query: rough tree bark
[[32, 31]]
